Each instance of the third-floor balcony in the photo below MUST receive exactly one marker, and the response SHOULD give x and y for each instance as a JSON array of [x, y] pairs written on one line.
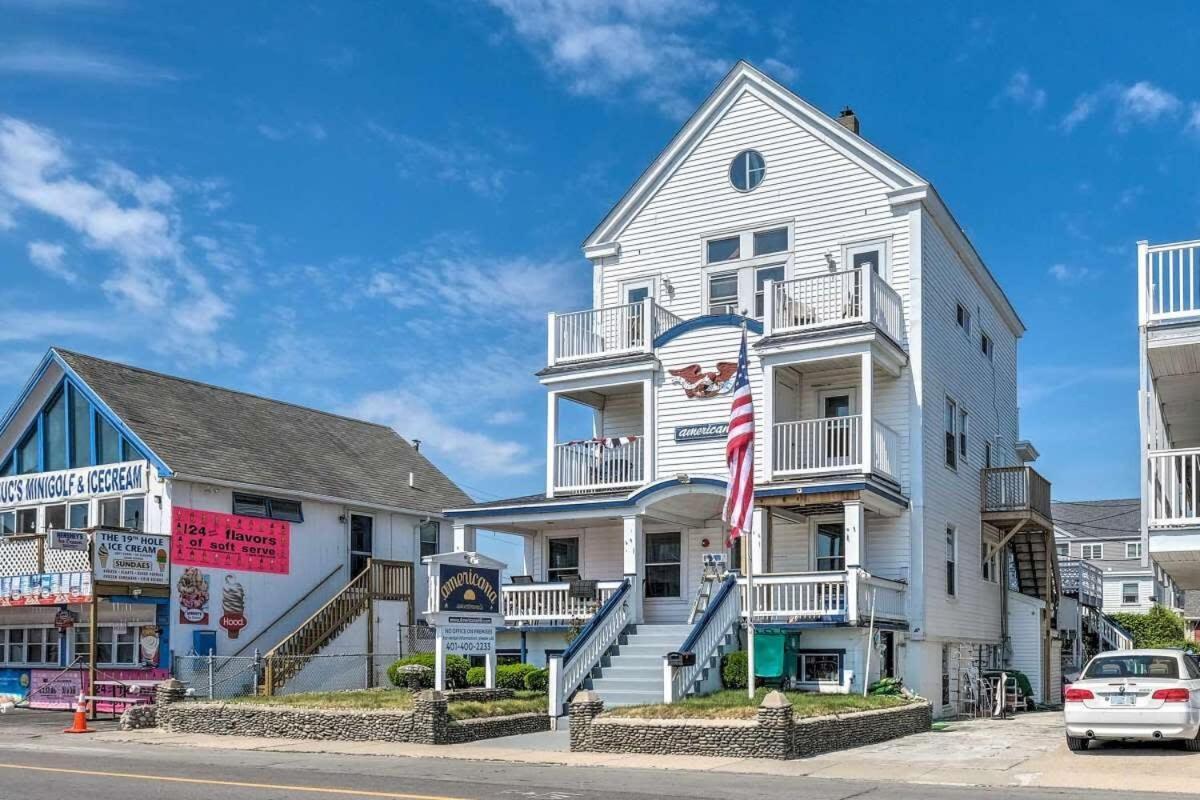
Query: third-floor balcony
[[608, 331], [837, 298], [1169, 282]]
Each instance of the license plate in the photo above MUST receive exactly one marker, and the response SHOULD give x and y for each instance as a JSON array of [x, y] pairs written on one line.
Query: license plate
[[1121, 699]]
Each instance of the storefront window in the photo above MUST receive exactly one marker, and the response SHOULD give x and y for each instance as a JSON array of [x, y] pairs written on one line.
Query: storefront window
[[81, 430], [135, 512], [56, 517], [79, 515], [28, 645], [108, 442], [110, 641], [8, 523], [27, 520], [110, 513]]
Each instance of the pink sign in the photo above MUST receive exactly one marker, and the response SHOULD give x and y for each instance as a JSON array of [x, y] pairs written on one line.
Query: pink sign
[[133, 683], [230, 541], [53, 688]]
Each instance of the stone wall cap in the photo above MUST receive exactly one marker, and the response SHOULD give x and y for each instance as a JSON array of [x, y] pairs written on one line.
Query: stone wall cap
[[676, 723], [431, 696], [776, 699], [586, 696], [170, 683]]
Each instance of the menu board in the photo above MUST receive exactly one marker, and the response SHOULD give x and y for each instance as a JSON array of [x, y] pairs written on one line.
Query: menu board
[[134, 558], [50, 589]]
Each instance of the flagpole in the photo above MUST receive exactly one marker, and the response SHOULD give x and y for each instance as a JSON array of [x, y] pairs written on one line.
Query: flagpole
[[747, 562]]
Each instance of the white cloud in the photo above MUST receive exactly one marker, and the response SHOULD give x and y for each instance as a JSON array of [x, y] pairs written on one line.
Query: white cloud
[[780, 70], [445, 161], [52, 323], [469, 450], [1022, 91], [68, 62], [505, 417], [1064, 273], [619, 48], [48, 257], [312, 130], [1193, 122], [1140, 103]]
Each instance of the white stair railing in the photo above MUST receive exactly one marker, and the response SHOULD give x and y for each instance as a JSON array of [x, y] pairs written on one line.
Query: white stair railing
[[709, 633], [568, 671]]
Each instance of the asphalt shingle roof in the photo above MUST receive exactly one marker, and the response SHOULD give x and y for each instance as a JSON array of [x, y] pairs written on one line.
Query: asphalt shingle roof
[[210, 432], [1100, 519]]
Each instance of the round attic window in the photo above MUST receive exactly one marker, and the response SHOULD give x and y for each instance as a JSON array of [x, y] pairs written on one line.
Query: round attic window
[[747, 170]]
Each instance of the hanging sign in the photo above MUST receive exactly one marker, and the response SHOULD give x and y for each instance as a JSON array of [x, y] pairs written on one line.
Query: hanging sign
[[52, 589], [230, 541], [69, 540], [135, 558], [65, 619], [702, 432]]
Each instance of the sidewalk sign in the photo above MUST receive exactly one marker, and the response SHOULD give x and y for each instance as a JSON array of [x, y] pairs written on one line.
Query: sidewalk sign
[[464, 610]]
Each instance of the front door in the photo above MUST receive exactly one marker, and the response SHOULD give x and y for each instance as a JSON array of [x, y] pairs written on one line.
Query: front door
[[664, 584], [362, 540], [837, 407], [830, 547], [635, 292]]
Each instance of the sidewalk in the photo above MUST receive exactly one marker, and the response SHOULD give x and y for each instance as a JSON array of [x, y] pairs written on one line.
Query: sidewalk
[[1028, 751]]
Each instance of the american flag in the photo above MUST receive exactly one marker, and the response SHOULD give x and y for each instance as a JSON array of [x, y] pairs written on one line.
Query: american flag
[[739, 452]]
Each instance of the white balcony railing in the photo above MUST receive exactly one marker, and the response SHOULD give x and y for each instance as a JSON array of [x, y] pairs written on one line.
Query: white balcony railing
[[803, 596], [1173, 488], [607, 331], [1170, 283], [836, 298], [551, 603], [597, 465], [833, 444]]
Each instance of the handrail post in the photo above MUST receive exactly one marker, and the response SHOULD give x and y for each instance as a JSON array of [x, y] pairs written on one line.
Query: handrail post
[[648, 325], [768, 308], [1143, 271], [552, 343], [556, 690], [867, 281]]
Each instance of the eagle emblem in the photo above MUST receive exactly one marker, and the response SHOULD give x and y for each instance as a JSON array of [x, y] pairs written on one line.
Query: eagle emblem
[[698, 384]]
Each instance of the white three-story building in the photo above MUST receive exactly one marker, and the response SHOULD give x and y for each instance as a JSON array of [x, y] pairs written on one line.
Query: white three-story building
[[883, 369]]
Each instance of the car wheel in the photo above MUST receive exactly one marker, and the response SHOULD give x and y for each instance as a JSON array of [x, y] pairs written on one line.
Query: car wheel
[[1192, 744], [1077, 744]]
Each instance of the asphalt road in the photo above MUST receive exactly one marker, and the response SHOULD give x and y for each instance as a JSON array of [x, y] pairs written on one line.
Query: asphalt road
[[36, 760]]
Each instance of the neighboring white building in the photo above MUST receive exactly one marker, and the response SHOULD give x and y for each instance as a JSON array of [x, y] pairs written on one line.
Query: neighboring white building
[[1169, 360], [1107, 534], [884, 375], [290, 502]]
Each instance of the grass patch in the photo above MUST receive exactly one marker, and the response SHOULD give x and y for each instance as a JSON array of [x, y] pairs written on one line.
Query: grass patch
[[734, 704], [354, 700], [398, 700]]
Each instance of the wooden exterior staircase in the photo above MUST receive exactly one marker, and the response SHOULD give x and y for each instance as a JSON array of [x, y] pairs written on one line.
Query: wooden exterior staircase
[[379, 580]]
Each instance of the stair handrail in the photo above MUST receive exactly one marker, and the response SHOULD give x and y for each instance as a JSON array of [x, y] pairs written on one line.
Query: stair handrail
[[1122, 632], [704, 640], [568, 670], [289, 610]]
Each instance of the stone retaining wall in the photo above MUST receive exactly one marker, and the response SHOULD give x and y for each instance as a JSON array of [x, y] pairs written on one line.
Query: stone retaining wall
[[427, 722], [773, 734]]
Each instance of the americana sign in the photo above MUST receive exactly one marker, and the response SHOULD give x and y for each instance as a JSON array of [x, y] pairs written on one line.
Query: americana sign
[[469, 636], [474, 589], [230, 541], [140, 559], [66, 484], [50, 589], [702, 432]]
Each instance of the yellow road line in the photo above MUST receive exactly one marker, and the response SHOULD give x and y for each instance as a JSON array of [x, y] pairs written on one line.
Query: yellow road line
[[238, 784]]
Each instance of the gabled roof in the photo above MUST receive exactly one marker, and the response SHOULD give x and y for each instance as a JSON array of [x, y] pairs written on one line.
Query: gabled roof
[[204, 431], [1099, 519], [905, 185]]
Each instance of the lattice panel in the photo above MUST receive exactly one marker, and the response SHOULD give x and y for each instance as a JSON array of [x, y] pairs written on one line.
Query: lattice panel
[[67, 561], [19, 556]]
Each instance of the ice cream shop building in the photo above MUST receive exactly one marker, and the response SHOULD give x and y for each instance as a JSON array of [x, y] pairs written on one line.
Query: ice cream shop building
[[172, 517]]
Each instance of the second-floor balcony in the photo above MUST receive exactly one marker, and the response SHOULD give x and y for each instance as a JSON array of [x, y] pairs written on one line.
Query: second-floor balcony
[[1082, 580], [834, 444], [837, 298], [607, 331], [600, 464], [1173, 488], [1010, 494]]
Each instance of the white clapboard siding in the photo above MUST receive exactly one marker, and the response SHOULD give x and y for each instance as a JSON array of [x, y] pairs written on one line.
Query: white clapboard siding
[[622, 414]]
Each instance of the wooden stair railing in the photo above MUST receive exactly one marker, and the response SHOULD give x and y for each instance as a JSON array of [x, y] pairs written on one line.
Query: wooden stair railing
[[379, 580]]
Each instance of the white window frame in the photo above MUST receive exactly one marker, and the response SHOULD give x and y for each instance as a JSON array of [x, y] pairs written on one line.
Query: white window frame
[[816, 522], [964, 310], [1137, 593], [987, 345], [437, 540], [804, 656], [989, 568], [952, 418], [649, 283], [578, 550], [964, 433], [1085, 549], [1133, 549], [49, 637], [952, 578], [681, 564], [883, 246], [1063, 549], [708, 298], [747, 264]]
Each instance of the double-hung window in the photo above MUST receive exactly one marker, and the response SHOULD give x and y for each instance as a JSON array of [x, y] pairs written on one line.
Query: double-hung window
[[985, 346], [1133, 549], [430, 533], [723, 293], [951, 420], [740, 267], [1129, 594], [962, 316], [563, 561], [1091, 552], [963, 425], [951, 561]]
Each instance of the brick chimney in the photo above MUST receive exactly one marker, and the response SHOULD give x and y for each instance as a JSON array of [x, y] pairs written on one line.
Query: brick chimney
[[848, 120]]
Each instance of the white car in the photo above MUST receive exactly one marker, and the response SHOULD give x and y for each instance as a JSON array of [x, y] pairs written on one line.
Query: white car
[[1135, 694]]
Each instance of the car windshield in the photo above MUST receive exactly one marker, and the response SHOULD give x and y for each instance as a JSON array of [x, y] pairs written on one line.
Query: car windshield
[[1165, 667]]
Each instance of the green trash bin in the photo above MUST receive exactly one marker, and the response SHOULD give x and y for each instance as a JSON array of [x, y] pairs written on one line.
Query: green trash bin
[[768, 654]]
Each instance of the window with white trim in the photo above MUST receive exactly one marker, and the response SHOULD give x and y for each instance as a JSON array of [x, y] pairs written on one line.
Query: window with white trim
[[962, 316], [951, 561], [30, 646], [820, 669], [1129, 594], [869, 255], [115, 646], [986, 346], [430, 534], [1064, 550], [1091, 552], [723, 293], [989, 559], [951, 422], [562, 563], [664, 559], [755, 257], [963, 426], [1133, 549]]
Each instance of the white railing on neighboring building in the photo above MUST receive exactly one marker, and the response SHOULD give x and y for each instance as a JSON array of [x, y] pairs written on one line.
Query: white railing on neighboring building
[[1173, 483], [551, 603], [886, 595], [835, 298], [799, 596], [607, 331], [1170, 283], [568, 670], [710, 632], [885, 450], [830, 444], [595, 465]]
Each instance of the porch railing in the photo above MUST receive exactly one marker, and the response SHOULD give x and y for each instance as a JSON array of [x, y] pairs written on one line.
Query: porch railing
[[607, 331], [551, 603], [1173, 484], [1083, 580], [1170, 281], [30, 554], [836, 298], [800, 596], [568, 671], [834, 444], [591, 466], [705, 641], [886, 594], [1015, 489]]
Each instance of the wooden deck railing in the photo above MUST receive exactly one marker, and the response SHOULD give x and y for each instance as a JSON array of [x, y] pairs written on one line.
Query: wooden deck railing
[[1015, 489]]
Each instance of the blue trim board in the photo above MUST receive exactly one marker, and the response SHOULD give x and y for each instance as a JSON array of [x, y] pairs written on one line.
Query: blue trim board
[[95, 406], [707, 321], [583, 504]]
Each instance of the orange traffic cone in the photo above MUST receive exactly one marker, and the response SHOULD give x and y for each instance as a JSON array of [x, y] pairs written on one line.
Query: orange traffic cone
[[80, 723]]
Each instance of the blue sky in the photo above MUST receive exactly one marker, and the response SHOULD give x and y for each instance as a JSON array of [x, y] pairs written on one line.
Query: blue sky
[[369, 208]]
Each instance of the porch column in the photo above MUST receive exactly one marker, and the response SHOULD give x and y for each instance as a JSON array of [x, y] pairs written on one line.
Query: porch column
[[868, 412], [768, 417], [528, 543], [855, 535], [648, 430], [551, 439], [634, 561], [464, 538], [760, 527]]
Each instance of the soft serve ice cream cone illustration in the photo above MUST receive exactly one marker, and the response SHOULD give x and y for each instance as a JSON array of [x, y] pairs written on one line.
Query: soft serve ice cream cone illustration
[[102, 554], [233, 607]]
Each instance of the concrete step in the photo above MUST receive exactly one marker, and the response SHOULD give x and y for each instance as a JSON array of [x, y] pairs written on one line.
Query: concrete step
[[667, 643], [628, 683], [638, 662], [635, 648], [614, 699]]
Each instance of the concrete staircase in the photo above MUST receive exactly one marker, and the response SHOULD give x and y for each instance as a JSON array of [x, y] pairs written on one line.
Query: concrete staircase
[[633, 674]]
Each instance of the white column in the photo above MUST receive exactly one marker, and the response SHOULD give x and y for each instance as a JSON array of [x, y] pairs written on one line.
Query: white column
[[439, 660], [464, 538], [551, 439], [489, 670], [552, 339], [768, 420], [648, 430], [855, 531], [759, 532], [868, 412], [528, 543], [634, 562]]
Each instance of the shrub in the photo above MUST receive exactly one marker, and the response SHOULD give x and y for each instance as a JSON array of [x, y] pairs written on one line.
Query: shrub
[[886, 686], [734, 670], [456, 670], [538, 681], [476, 676], [1159, 628], [512, 676]]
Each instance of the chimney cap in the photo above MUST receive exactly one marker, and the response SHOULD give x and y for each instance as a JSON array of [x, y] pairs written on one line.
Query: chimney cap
[[847, 111], [848, 119]]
